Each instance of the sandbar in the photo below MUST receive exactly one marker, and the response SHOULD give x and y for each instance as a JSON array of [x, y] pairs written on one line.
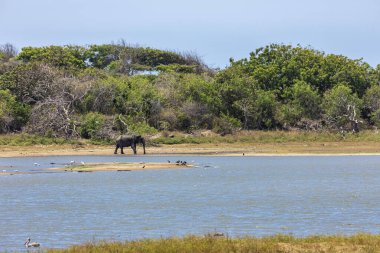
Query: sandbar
[[117, 166], [10, 173]]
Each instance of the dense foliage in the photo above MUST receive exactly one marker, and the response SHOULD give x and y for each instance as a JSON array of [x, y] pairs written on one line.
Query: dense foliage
[[99, 91]]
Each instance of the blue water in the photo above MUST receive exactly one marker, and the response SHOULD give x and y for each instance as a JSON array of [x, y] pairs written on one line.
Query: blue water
[[235, 195]]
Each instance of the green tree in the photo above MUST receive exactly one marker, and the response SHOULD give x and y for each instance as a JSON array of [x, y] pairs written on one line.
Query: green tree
[[143, 101], [188, 101], [342, 107], [264, 110], [302, 101], [277, 67], [92, 122], [372, 103], [339, 69], [234, 88], [13, 115], [66, 57], [100, 56], [258, 110], [177, 68]]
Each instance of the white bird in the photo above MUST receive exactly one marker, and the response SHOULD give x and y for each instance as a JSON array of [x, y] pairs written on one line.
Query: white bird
[[36, 164], [72, 162], [29, 244], [82, 162]]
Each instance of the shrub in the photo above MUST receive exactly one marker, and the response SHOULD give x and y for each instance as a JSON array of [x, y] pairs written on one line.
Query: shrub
[[92, 122], [226, 125], [141, 128]]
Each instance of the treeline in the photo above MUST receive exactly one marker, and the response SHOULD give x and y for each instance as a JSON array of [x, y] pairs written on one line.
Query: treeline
[[99, 91]]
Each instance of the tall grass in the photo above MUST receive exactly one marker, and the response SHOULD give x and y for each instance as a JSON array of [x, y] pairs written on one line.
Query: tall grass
[[211, 244]]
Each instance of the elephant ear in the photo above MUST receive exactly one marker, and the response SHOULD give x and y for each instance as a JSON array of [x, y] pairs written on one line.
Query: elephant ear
[[141, 139]]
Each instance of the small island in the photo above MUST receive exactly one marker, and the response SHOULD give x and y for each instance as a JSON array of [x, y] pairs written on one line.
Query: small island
[[117, 166]]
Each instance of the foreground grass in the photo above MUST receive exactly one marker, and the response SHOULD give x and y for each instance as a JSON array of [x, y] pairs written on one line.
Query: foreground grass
[[198, 244]]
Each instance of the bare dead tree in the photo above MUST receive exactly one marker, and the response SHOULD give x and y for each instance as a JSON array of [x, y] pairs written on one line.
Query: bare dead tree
[[121, 124], [8, 50], [192, 58], [351, 114], [56, 112], [6, 120], [31, 83], [246, 107], [53, 116]]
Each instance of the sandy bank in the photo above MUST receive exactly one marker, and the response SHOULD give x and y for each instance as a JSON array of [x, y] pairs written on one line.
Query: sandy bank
[[220, 149]]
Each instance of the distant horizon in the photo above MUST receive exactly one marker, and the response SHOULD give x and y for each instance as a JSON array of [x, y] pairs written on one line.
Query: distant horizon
[[214, 30], [19, 49]]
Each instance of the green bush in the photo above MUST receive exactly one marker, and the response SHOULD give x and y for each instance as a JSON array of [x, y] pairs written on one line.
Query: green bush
[[91, 124], [375, 117], [13, 115], [141, 128], [226, 125]]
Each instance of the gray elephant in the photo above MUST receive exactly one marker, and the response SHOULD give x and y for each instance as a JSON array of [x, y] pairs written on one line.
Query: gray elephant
[[129, 141]]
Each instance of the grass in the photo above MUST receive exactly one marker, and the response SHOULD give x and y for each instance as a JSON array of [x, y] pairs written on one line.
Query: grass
[[29, 140], [210, 244], [271, 137], [197, 138]]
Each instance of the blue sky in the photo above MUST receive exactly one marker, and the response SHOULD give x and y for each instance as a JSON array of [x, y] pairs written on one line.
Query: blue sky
[[215, 30]]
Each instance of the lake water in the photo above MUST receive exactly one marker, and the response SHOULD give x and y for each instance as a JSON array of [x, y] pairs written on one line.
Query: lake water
[[235, 195]]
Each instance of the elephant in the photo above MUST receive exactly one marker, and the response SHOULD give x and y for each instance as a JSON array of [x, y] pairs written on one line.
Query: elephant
[[129, 140]]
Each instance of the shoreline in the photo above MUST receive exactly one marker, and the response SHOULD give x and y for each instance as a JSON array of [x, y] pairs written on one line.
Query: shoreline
[[219, 149]]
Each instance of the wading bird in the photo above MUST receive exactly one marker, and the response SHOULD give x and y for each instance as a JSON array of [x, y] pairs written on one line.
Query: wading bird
[[29, 244]]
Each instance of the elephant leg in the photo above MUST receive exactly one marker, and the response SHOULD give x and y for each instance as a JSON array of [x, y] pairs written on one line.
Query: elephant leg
[[122, 151], [134, 149], [117, 147]]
